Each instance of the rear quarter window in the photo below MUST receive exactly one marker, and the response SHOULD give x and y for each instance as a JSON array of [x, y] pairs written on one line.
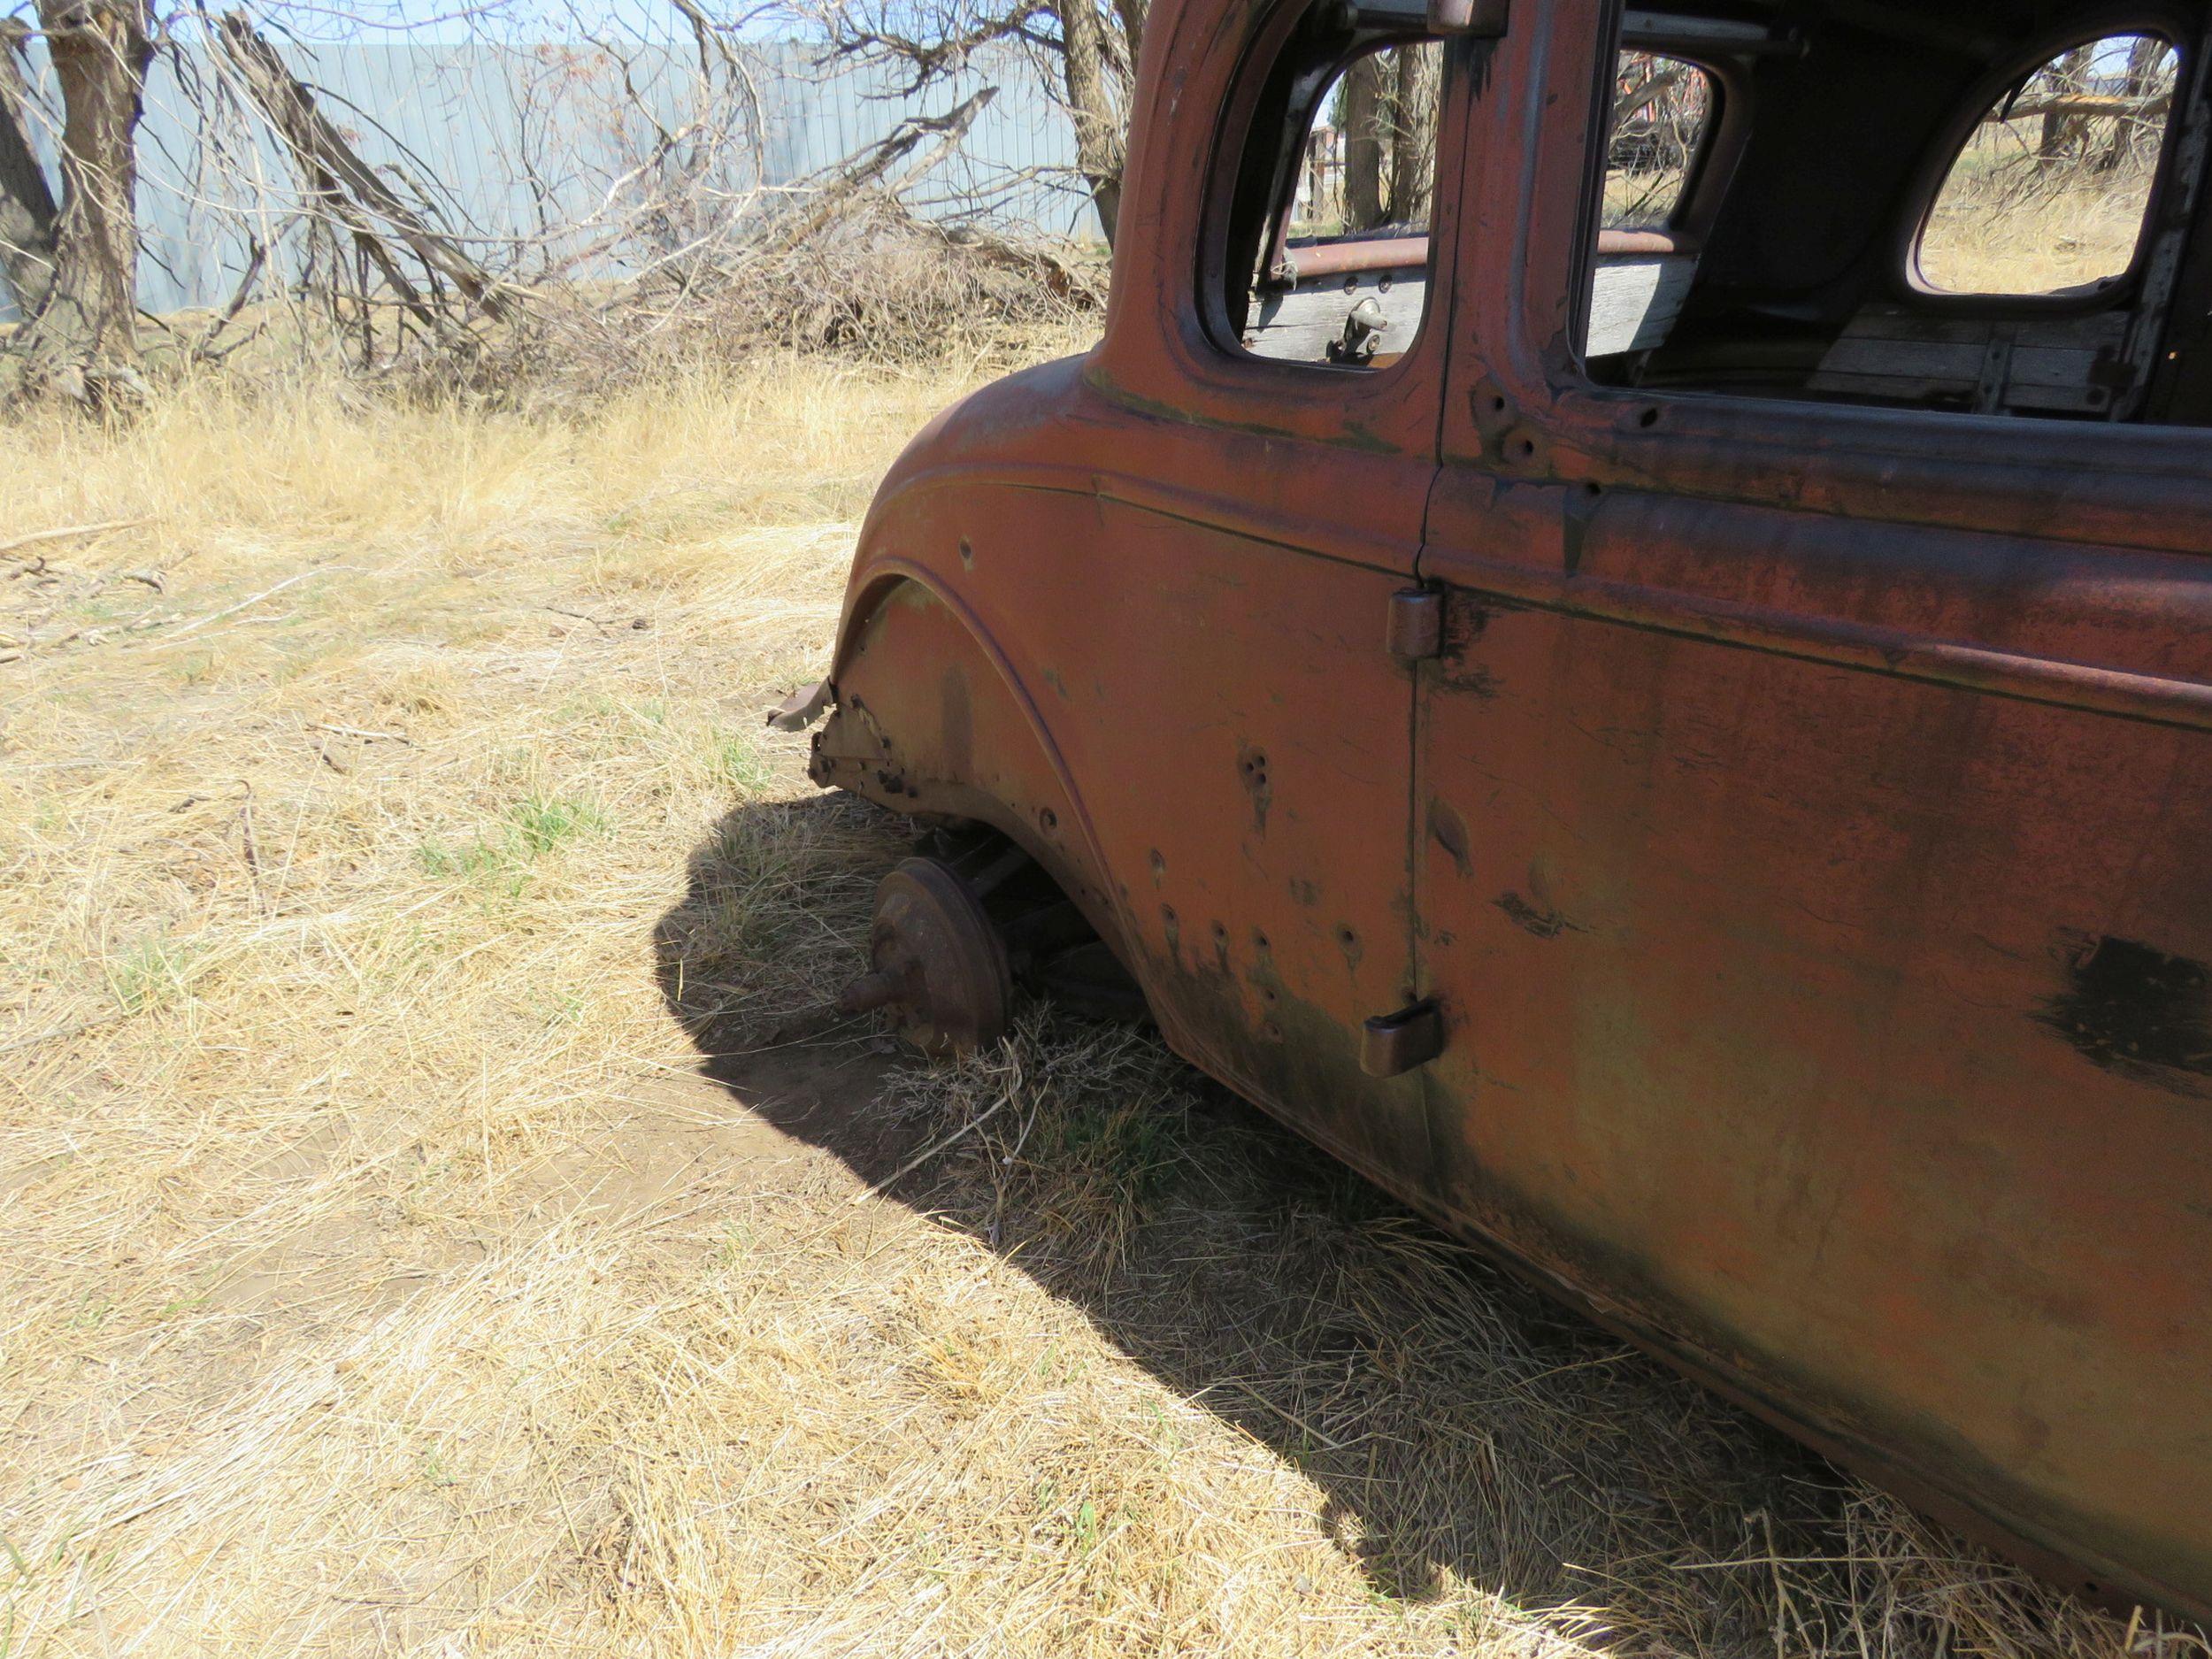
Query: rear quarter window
[[2049, 193]]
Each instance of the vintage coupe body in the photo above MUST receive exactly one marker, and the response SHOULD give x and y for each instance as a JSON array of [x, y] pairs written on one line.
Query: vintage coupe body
[[1714, 807]]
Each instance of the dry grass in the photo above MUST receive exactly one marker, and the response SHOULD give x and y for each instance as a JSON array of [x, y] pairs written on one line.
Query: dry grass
[[1987, 236], [382, 1275]]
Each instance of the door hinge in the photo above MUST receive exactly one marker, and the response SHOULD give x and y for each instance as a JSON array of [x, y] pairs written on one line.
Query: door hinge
[[1416, 623], [1390, 1044]]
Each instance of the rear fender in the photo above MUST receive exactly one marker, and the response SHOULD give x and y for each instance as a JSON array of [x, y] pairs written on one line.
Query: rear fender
[[931, 717]]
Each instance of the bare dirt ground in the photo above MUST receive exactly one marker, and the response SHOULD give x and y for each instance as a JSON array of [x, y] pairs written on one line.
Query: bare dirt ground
[[413, 1243]]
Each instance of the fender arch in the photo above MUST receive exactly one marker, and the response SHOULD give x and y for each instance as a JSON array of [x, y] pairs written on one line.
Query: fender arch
[[931, 716]]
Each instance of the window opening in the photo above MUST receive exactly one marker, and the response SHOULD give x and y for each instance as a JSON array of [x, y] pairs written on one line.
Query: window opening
[[1788, 210], [1338, 275], [2049, 193], [1661, 108]]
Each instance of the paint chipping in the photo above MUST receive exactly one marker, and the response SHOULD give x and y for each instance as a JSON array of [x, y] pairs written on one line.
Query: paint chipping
[[2133, 1009]]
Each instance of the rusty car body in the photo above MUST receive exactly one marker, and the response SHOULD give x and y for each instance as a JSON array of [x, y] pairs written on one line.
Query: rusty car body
[[1720, 824]]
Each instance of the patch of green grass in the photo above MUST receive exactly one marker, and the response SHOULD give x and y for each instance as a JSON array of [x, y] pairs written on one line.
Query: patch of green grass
[[154, 972], [430, 1460], [736, 1245], [1129, 1148], [530, 829], [483, 864], [538, 824], [567, 1009], [738, 763]]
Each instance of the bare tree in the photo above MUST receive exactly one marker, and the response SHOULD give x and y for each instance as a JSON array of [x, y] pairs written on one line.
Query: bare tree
[[1413, 112], [1089, 48], [83, 341], [350, 196], [651, 227], [1360, 117], [27, 209], [1388, 105]]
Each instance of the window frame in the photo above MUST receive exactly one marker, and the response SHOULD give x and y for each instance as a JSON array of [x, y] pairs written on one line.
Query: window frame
[[2118, 292], [1520, 406], [1233, 144]]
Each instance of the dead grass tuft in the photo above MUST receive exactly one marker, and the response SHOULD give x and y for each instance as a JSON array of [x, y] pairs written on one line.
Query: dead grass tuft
[[382, 1275]]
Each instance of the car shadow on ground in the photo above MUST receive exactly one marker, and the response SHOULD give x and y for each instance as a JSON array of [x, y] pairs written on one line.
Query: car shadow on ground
[[1458, 1422]]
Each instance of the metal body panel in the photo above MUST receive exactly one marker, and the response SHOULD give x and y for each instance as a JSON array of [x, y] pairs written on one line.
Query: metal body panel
[[1817, 802], [1221, 720], [1847, 1025], [1801, 829]]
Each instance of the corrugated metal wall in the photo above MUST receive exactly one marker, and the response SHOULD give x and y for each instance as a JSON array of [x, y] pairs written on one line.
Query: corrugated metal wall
[[521, 144]]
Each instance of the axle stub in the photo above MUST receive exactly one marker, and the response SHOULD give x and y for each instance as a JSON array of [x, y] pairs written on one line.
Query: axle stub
[[937, 965]]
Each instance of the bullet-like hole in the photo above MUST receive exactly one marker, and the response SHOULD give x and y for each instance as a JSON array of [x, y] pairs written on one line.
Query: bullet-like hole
[[1048, 818], [1649, 417], [967, 553], [1259, 939], [1346, 937]]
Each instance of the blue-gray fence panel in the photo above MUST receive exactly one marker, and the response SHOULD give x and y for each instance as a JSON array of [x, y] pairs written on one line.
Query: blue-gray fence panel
[[518, 145]]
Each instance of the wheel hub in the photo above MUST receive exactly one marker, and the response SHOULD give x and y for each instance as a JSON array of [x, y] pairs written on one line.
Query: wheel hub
[[938, 965]]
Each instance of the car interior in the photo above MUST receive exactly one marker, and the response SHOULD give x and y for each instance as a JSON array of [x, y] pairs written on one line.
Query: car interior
[[1984, 206]]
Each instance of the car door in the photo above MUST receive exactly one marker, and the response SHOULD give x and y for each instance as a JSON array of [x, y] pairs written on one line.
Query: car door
[[1232, 701], [1814, 802]]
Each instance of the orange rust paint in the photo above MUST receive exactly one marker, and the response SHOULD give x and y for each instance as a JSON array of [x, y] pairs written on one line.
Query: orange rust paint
[[1801, 823]]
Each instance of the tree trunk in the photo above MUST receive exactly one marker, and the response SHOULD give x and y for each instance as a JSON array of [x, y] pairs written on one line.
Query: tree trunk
[[83, 343], [1365, 123], [2142, 59], [1413, 102], [27, 203], [1131, 13], [1101, 139], [2061, 130]]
